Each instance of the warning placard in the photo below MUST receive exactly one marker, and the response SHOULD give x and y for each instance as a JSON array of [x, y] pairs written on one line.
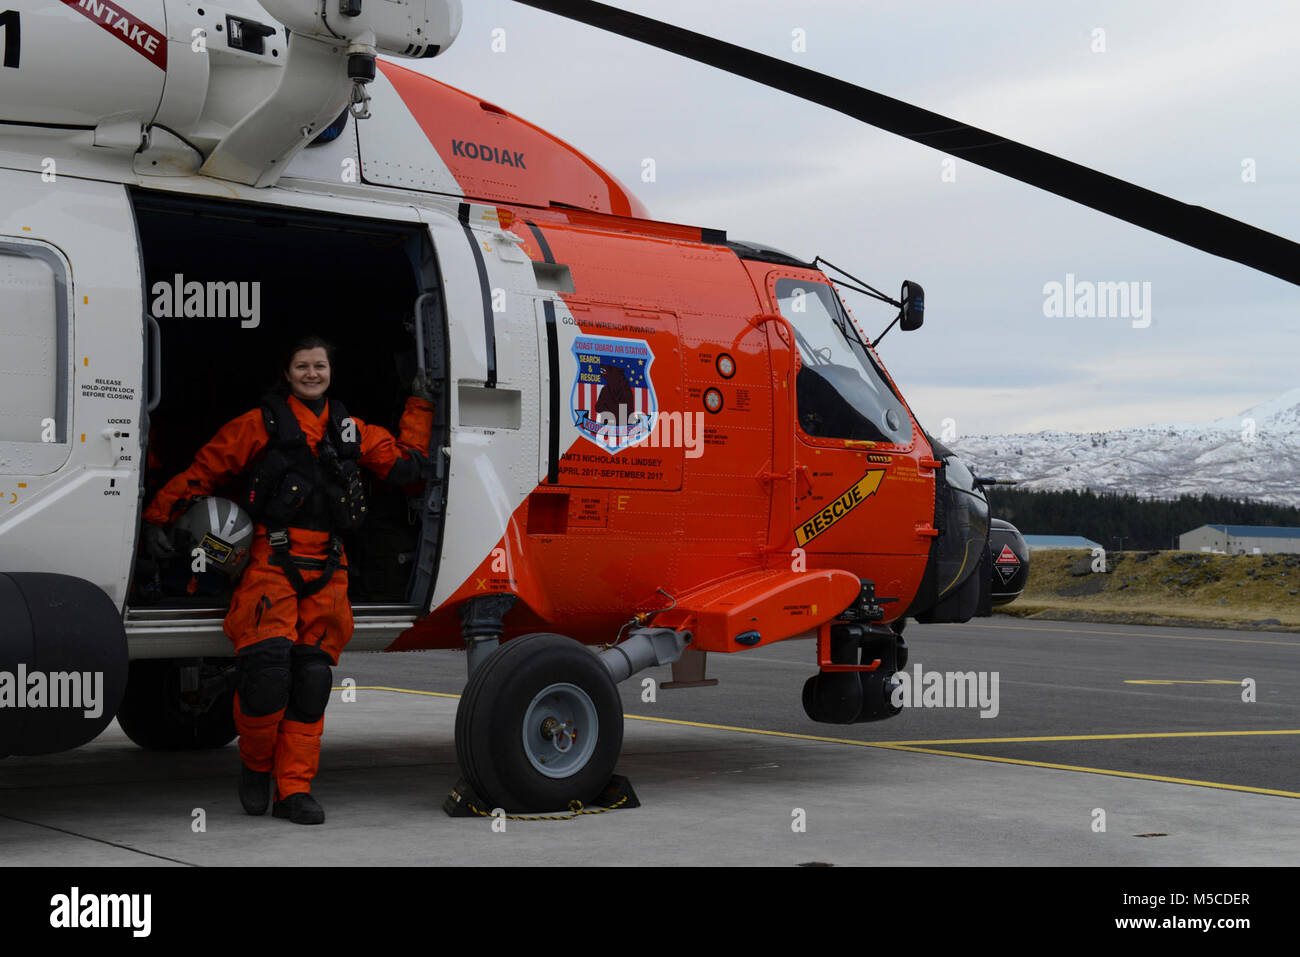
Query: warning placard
[[107, 389], [588, 510]]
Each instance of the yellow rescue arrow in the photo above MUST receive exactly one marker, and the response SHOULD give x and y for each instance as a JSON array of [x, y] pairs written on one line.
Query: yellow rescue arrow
[[846, 502]]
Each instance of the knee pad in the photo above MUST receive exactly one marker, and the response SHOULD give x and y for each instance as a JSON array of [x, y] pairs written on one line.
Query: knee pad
[[265, 677], [312, 680]]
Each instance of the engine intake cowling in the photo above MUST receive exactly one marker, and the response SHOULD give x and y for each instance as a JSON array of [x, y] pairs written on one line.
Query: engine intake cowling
[[63, 662]]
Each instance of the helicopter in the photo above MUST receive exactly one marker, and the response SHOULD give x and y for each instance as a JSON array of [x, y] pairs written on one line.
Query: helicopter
[[650, 439]]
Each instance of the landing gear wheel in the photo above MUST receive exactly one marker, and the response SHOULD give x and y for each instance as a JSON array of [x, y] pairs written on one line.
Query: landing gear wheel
[[540, 725], [158, 716]]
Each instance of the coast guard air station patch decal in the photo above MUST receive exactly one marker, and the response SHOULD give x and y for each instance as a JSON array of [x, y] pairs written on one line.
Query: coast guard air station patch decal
[[613, 400]]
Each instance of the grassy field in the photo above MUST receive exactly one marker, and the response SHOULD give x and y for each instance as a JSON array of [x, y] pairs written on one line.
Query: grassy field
[[1198, 588]]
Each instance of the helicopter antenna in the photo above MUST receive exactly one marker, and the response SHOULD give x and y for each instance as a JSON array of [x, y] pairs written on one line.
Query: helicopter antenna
[[876, 341], [866, 290], [861, 286]]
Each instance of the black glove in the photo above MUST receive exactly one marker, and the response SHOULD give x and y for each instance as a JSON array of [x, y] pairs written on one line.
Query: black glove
[[422, 386], [156, 542], [416, 467]]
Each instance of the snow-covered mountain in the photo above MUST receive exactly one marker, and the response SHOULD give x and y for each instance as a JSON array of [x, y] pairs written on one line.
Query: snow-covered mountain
[[1254, 455]]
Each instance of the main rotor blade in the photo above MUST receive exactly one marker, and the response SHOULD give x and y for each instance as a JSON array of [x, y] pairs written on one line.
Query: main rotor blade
[[1195, 226]]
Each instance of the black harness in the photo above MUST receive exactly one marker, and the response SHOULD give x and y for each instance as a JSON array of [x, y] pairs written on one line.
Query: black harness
[[292, 487]]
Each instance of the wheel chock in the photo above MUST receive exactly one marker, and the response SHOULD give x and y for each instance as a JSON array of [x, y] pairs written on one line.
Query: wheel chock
[[618, 793], [462, 801]]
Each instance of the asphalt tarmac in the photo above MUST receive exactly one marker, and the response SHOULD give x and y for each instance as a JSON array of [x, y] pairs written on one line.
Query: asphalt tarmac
[[1111, 744]]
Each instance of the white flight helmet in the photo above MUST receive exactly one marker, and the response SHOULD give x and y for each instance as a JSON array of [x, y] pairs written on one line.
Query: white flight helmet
[[223, 530]]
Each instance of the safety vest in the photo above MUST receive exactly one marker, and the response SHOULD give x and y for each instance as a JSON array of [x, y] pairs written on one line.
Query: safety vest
[[293, 487]]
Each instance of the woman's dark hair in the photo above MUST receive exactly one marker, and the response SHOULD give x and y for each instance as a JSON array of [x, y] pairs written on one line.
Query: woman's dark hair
[[307, 342]]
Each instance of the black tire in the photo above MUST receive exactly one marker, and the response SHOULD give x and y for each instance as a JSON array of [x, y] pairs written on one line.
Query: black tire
[[153, 717], [490, 724]]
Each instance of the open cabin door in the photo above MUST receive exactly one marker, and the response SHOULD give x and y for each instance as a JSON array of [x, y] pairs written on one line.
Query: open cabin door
[[335, 269]]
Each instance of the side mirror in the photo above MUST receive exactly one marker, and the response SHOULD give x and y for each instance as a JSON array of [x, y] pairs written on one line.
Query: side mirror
[[913, 314]]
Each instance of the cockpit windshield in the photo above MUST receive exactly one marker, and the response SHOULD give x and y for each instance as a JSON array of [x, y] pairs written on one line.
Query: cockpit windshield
[[841, 393]]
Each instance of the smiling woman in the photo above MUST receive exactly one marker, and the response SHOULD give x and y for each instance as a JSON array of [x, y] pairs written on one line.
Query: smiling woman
[[290, 617], [289, 464], [194, 247], [308, 369]]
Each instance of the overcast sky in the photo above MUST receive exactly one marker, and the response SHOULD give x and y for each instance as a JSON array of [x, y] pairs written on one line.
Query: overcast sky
[[1182, 95]]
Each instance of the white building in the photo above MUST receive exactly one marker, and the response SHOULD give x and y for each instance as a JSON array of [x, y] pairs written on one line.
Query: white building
[[1241, 539]]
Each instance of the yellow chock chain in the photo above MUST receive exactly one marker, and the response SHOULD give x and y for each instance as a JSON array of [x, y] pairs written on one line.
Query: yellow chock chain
[[575, 810]]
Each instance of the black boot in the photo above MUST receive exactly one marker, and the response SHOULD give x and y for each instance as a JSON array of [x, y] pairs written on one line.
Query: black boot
[[301, 808], [254, 789]]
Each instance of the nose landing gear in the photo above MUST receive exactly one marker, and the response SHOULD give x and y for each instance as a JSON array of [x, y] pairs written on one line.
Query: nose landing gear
[[540, 725]]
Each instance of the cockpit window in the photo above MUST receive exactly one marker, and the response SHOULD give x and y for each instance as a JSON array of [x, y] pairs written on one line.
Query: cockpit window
[[840, 392]]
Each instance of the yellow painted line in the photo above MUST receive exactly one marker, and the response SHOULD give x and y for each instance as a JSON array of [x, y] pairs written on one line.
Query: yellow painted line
[[1176, 681], [1107, 771], [1087, 737], [912, 744], [896, 744], [1139, 634], [641, 717], [901, 746], [431, 694], [775, 734], [911, 748]]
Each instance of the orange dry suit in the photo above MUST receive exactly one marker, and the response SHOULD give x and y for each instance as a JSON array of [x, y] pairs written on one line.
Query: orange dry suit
[[289, 617]]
